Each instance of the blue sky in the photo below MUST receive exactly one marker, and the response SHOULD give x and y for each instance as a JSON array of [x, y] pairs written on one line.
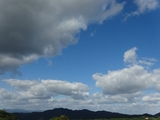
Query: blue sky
[[97, 55]]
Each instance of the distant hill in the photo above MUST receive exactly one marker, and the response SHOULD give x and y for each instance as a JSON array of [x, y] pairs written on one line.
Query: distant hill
[[157, 115], [17, 111], [7, 116], [75, 114]]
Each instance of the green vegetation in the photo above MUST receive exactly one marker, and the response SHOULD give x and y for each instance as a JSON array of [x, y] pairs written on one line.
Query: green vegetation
[[62, 117], [7, 116], [139, 118]]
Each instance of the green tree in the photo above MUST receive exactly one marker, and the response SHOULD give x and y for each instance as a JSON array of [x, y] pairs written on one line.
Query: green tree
[[62, 117], [7, 116]]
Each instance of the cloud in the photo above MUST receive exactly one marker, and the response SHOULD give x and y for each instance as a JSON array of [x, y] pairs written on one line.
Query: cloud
[[147, 61], [106, 99], [152, 98], [49, 94], [128, 89], [33, 29], [5, 94], [98, 101], [125, 90], [44, 89], [42, 94], [143, 6], [130, 56], [129, 80], [99, 98]]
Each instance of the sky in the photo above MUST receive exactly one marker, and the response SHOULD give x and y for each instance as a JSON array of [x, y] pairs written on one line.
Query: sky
[[80, 54]]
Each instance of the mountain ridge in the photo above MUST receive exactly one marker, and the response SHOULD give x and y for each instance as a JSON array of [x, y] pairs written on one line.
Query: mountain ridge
[[76, 114]]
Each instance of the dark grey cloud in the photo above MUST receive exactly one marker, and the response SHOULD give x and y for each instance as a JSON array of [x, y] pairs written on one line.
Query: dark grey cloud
[[30, 29]]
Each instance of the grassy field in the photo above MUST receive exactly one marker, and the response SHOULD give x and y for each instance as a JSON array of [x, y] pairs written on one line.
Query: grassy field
[[140, 118]]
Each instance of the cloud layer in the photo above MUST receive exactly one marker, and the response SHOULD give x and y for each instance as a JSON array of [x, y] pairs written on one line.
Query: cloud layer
[[123, 90], [44, 89], [33, 29], [30, 29], [131, 79]]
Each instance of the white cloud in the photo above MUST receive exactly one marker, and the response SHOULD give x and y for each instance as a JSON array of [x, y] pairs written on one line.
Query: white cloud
[[21, 84], [5, 94], [143, 6], [152, 98], [127, 80], [128, 87], [124, 90], [143, 107], [130, 56], [131, 79], [76, 90], [42, 97], [147, 62], [33, 29], [48, 88], [114, 8], [23, 100], [107, 99]]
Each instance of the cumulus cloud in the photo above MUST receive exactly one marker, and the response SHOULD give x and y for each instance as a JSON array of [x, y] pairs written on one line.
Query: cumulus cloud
[[5, 94], [131, 79], [33, 29], [49, 94], [28, 101], [130, 56], [152, 98], [130, 88], [44, 89], [99, 98], [143, 6], [106, 99], [127, 80], [124, 90], [43, 94]]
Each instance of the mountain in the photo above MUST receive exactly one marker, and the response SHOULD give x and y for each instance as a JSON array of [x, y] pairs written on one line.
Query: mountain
[[74, 114], [17, 111], [157, 115]]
